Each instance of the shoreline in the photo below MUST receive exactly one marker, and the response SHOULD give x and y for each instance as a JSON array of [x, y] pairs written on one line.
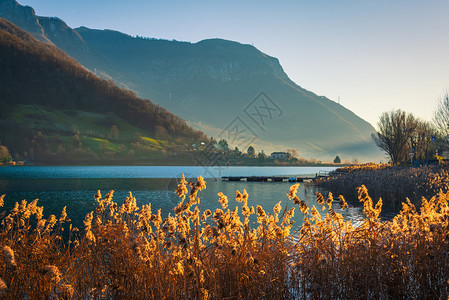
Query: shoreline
[[159, 164]]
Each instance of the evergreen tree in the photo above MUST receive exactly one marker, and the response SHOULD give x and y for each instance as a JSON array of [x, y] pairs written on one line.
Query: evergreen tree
[[237, 152], [223, 144], [251, 152]]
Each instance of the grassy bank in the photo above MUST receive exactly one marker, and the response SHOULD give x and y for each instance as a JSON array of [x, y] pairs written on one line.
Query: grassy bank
[[128, 252]]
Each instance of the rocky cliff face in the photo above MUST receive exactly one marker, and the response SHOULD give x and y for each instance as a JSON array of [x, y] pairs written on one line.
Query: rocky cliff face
[[59, 33], [238, 61], [24, 17]]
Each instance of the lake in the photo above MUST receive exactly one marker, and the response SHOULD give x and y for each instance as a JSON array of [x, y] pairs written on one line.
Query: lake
[[75, 187]]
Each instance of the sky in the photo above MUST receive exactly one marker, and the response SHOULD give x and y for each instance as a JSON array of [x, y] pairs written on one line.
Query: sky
[[371, 56]]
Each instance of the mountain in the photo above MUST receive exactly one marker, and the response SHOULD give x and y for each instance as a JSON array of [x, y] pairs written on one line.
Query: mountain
[[227, 89], [52, 108], [25, 16]]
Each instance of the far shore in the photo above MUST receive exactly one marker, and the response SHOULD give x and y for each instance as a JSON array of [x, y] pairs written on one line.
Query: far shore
[[165, 162]]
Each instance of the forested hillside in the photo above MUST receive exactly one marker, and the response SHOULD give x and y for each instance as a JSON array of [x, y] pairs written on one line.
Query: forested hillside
[[52, 107]]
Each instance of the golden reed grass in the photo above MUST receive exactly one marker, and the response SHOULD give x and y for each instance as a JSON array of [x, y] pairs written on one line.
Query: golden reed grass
[[127, 252]]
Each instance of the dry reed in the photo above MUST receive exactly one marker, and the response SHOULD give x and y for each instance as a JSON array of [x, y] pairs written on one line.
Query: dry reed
[[129, 252]]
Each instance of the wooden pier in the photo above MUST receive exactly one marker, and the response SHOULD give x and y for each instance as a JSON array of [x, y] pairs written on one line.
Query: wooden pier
[[299, 178]]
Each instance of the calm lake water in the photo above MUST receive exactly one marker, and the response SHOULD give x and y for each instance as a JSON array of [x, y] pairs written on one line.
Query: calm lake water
[[75, 187]]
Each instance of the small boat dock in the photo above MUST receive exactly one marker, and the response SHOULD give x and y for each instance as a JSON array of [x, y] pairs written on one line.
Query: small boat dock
[[298, 178]]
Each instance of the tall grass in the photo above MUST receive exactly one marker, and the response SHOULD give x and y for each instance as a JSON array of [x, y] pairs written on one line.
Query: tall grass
[[129, 252]]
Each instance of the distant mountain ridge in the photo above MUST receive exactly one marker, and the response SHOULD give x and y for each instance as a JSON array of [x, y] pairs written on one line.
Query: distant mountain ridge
[[211, 84]]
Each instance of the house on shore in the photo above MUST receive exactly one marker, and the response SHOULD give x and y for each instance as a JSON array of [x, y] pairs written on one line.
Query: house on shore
[[280, 155]]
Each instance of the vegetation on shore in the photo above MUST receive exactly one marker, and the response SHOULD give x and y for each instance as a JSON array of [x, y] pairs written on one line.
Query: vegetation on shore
[[130, 252], [408, 140], [220, 154], [127, 145], [392, 183]]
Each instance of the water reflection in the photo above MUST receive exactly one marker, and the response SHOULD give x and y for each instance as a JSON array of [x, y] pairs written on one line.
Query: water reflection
[[78, 194], [391, 203]]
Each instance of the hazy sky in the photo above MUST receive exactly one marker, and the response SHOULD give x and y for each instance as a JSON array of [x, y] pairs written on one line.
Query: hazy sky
[[374, 55]]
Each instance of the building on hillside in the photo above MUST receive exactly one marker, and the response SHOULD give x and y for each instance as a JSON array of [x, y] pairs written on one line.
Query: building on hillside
[[280, 155]]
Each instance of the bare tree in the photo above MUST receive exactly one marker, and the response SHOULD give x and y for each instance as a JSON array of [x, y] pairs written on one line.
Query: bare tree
[[425, 140], [395, 129], [441, 114], [293, 152]]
